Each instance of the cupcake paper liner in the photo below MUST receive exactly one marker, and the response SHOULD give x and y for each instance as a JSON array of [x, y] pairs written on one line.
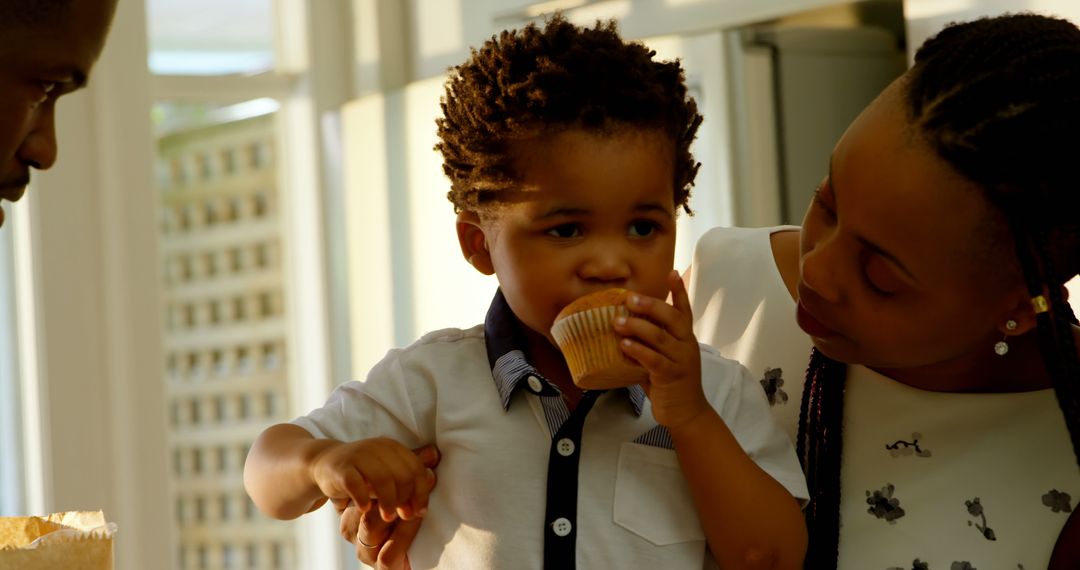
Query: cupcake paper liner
[[592, 351]]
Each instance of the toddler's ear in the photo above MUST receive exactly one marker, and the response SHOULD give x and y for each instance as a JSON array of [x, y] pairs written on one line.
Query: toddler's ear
[[473, 242]]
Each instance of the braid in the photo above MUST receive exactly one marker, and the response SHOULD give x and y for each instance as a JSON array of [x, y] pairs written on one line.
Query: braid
[[999, 100], [1054, 328], [819, 445], [528, 82]]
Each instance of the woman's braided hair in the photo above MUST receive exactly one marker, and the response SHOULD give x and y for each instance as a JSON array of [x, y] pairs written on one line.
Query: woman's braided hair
[[999, 100], [529, 82]]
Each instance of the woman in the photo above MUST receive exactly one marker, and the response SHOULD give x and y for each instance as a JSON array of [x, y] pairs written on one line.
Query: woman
[[931, 261]]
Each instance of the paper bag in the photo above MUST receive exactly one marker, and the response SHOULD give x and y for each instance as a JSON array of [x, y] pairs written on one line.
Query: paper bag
[[75, 541]]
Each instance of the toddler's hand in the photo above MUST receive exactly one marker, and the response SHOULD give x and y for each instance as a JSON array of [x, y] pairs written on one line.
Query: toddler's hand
[[377, 468], [662, 340]]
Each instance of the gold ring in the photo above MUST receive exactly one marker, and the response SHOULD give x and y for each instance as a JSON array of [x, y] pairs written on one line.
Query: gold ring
[[364, 544]]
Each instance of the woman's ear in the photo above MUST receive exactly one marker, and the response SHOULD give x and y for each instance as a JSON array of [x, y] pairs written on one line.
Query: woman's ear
[[473, 242], [1023, 312]]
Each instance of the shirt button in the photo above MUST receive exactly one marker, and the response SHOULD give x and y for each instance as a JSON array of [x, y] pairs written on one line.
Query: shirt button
[[565, 447], [561, 526], [535, 384]]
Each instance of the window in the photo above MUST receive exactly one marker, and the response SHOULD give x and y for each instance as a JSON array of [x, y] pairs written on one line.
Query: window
[[234, 124]]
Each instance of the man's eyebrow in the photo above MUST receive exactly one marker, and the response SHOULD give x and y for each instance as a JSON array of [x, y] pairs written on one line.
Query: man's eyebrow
[[71, 78], [77, 79]]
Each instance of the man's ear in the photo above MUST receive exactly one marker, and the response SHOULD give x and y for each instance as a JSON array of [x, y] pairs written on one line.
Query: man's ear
[[473, 242]]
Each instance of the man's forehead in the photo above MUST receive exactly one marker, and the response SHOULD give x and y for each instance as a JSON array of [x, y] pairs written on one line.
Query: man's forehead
[[67, 42]]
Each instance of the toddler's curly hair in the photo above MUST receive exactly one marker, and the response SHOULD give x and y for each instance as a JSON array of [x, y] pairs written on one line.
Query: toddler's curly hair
[[525, 83]]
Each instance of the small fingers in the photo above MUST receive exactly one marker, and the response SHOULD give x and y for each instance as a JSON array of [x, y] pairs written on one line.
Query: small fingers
[[680, 299], [409, 478], [421, 493], [356, 488], [657, 364], [428, 455], [644, 332], [677, 322]]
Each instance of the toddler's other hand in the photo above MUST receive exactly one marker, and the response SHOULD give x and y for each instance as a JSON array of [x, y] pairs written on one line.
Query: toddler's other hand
[[377, 468]]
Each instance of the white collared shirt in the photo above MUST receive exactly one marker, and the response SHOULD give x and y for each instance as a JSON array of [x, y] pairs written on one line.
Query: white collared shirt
[[634, 508]]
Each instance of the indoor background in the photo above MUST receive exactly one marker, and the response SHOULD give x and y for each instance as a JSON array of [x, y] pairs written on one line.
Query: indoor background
[[249, 211]]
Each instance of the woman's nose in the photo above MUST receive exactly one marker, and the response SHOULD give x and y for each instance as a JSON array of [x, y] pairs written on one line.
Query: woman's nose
[[820, 268]]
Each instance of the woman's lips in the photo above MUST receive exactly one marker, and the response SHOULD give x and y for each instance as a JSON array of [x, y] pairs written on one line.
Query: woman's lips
[[813, 327]]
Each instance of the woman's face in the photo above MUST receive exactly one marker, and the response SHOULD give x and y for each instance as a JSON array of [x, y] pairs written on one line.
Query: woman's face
[[898, 252]]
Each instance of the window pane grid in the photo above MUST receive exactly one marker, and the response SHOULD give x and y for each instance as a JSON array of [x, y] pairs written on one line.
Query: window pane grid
[[225, 336]]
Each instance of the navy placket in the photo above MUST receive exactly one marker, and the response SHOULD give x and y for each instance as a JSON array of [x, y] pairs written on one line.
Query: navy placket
[[560, 519]]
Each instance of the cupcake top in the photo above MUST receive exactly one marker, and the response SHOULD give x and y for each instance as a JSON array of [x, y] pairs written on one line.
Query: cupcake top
[[605, 298]]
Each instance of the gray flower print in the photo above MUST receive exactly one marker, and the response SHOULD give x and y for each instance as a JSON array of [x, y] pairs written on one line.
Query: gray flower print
[[975, 509], [772, 382], [883, 505], [915, 565], [902, 448], [1058, 501]]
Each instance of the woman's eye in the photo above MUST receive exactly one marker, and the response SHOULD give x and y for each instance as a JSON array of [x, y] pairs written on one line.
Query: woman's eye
[[642, 228], [565, 231], [820, 202], [882, 279]]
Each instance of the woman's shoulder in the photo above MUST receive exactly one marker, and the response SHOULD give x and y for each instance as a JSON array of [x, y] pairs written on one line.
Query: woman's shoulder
[[726, 244]]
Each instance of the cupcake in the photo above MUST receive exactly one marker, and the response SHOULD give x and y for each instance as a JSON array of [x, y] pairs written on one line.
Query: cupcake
[[583, 330]]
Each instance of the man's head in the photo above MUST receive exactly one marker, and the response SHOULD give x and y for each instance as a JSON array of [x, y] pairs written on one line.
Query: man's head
[[47, 48]]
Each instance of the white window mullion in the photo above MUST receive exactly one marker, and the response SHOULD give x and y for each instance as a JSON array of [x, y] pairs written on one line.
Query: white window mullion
[[306, 178], [222, 88], [12, 496]]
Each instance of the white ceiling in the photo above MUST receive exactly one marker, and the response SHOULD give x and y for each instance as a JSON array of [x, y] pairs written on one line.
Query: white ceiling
[[210, 25], [210, 37]]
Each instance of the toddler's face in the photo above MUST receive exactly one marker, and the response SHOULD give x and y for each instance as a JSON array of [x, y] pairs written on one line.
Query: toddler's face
[[593, 211]]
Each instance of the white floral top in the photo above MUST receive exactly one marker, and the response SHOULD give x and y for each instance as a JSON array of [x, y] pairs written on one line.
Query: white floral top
[[930, 480]]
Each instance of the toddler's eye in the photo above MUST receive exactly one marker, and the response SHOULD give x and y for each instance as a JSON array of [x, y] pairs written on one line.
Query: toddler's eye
[[565, 231], [642, 228]]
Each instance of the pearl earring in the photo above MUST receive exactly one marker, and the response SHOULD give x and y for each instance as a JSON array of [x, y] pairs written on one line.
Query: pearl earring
[[1002, 347]]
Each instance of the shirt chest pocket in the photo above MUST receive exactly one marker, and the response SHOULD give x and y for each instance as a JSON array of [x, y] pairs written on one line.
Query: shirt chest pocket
[[652, 499]]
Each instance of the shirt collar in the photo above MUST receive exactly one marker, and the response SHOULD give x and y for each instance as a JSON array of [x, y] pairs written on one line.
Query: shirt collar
[[510, 369]]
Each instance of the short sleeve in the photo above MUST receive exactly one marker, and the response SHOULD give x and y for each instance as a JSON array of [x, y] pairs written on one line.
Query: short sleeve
[[384, 405], [745, 409]]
